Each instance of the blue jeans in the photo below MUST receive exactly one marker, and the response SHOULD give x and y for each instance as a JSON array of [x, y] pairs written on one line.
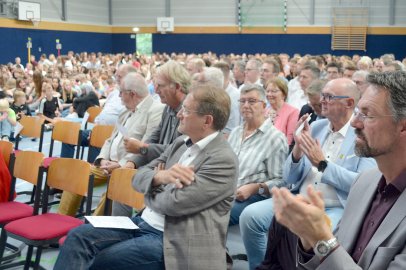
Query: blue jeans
[[255, 221], [239, 206], [68, 150], [87, 247]]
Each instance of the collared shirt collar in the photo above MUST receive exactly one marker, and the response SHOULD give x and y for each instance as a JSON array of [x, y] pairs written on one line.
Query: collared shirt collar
[[399, 182], [344, 129], [203, 142]]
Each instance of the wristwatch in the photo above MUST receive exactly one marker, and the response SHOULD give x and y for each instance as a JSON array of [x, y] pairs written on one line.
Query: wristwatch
[[261, 189], [323, 248], [143, 150], [322, 165]]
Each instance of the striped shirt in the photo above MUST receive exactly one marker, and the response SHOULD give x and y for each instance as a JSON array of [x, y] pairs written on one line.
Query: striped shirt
[[261, 155]]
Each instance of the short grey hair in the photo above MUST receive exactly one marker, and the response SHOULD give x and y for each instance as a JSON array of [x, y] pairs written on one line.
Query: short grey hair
[[135, 83], [394, 83], [315, 88], [240, 64], [254, 87], [213, 76], [361, 74]]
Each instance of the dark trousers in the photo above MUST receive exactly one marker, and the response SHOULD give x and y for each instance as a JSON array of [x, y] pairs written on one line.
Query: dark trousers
[[281, 249]]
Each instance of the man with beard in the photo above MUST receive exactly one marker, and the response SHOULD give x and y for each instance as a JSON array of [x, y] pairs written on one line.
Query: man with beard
[[372, 231]]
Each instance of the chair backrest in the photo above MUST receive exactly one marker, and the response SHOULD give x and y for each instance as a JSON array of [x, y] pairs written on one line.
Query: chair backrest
[[120, 189], [6, 150], [33, 127], [93, 112], [26, 165], [100, 133], [66, 132], [71, 175]]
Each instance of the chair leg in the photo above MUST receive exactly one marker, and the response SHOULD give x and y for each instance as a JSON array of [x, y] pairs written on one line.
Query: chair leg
[[3, 241], [37, 258], [28, 259]]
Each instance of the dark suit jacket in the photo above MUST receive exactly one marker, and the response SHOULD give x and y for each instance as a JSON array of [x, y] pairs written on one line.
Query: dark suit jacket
[[196, 216]]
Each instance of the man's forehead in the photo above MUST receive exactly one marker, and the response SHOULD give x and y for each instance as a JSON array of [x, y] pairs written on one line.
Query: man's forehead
[[372, 99], [252, 93]]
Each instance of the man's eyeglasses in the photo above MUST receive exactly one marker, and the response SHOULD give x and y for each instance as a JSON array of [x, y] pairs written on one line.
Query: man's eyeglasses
[[329, 98], [363, 117], [185, 111], [251, 101]]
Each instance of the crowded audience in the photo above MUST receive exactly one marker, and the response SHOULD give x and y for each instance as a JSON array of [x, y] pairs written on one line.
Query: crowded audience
[[227, 140]]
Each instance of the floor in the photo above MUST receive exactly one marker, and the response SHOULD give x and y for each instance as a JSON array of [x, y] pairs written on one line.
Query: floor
[[49, 255]]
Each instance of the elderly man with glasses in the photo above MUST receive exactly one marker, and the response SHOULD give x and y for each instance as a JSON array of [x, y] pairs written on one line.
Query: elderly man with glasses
[[261, 149], [323, 156]]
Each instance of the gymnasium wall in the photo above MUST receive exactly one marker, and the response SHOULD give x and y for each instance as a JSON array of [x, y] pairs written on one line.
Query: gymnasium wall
[[202, 26]]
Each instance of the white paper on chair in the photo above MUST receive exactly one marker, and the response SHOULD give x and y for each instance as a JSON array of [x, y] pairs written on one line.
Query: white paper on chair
[[122, 129], [17, 129], [112, 222]]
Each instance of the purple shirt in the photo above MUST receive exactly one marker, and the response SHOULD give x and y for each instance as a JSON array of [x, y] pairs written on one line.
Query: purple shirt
[[385, 197]]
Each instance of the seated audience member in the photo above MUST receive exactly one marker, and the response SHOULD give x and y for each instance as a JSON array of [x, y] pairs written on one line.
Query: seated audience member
[[215, 76], [360, 79], [261, 149], [252, 72], [87, 99], [234, 95], [141, 116], [349, 70], [108, 115], [239, 73], [172, 83], [334, 71], [371, 233], [323, 155], [195, 65], [67, 96], [7, 120], [49, 106], [283, 115], [19, 105], [313, 107], [188, 194]]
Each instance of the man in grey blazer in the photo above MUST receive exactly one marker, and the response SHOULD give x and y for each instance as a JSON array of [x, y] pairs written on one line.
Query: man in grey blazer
[[188, 192], [372, 231]]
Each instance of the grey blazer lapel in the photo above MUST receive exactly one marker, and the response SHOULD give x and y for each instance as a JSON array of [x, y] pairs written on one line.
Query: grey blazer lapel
[[215, 143], [388, 225], [359, 200]]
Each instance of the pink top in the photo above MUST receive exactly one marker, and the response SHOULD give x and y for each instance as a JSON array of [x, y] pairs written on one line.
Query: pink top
[[286, 120]]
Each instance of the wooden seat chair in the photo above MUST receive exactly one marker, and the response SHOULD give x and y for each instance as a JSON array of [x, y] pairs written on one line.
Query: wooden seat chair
[[67, 174], [93, 112], [34, 128], [120, 189], [99, 134], [64, 132], [12, 210], [6, 149]]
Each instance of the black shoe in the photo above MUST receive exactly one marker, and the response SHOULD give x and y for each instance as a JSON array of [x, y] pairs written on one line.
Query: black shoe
[[34, 139], [240, 257]]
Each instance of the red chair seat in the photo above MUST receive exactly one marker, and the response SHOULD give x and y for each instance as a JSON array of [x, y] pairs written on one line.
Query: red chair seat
[[43, 227], [62, 240], [47, 161], [11, 211]]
